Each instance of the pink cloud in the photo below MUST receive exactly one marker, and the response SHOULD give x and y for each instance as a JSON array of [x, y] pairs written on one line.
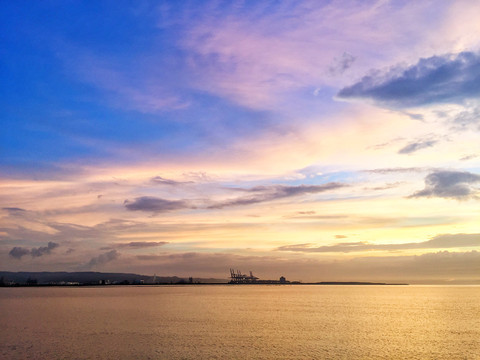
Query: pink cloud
[[255, 60]]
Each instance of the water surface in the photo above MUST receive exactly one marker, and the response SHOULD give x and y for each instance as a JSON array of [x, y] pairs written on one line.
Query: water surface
[[241, 322]]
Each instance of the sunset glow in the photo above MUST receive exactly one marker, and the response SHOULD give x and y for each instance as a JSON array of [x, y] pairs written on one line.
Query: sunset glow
[[321, 141]]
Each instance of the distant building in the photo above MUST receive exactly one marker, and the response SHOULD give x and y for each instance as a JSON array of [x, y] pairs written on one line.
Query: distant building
[[283, 280]]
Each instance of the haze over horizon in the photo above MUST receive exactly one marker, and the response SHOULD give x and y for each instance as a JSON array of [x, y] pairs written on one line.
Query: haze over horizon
[[321, 141]]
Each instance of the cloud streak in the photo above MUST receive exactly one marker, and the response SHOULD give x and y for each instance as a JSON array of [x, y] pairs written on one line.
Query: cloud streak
[[443, 241], [417, 145], [163, 181], [275, 192]]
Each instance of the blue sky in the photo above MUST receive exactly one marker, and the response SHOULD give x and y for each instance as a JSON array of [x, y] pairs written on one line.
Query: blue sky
[[184, 138]]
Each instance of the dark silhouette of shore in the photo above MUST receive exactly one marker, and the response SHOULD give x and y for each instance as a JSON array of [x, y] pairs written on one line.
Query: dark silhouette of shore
[[89, 278]]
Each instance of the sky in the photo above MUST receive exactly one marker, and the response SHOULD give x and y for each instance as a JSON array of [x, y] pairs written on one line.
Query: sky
[[316, 140]]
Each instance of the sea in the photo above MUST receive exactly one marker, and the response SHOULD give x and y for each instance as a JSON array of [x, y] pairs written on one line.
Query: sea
[[240, 322]]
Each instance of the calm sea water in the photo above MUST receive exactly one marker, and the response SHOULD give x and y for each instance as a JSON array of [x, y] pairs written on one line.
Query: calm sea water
[[241, 322]]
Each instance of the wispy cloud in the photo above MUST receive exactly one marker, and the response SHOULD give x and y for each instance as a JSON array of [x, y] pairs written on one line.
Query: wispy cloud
[[284, 52], [274, 192], [469, 157], [449, 184], [122, 85], [162, 181]]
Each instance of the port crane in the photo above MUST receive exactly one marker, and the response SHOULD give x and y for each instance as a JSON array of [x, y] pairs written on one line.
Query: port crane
[[236, 277]]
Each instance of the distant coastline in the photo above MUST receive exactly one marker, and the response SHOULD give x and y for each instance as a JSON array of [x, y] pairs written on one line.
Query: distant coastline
[[90, 278]]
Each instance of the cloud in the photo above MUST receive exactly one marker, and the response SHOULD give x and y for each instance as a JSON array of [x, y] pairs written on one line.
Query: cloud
[[469, 157], [274, 192], [449, 184], [386, 186], [13, 209], [40, 251], [467, 119], [142, 244], [260, 194], [442, 241], [341, 64], [385, 171], [103, 258], [156, 205], [163, 181], [18, 252], [309, 212], [415, 146], [437, 79]]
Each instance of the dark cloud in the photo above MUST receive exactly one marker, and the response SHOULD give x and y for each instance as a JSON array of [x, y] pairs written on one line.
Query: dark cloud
[[40, 251], [269, 193], [438, 79], [17, 252], [103, 258], [258, 194], [150, 203], [449, 184], [341, 64], [13, 209], [142, 244], [443, 241], [415, 146]]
